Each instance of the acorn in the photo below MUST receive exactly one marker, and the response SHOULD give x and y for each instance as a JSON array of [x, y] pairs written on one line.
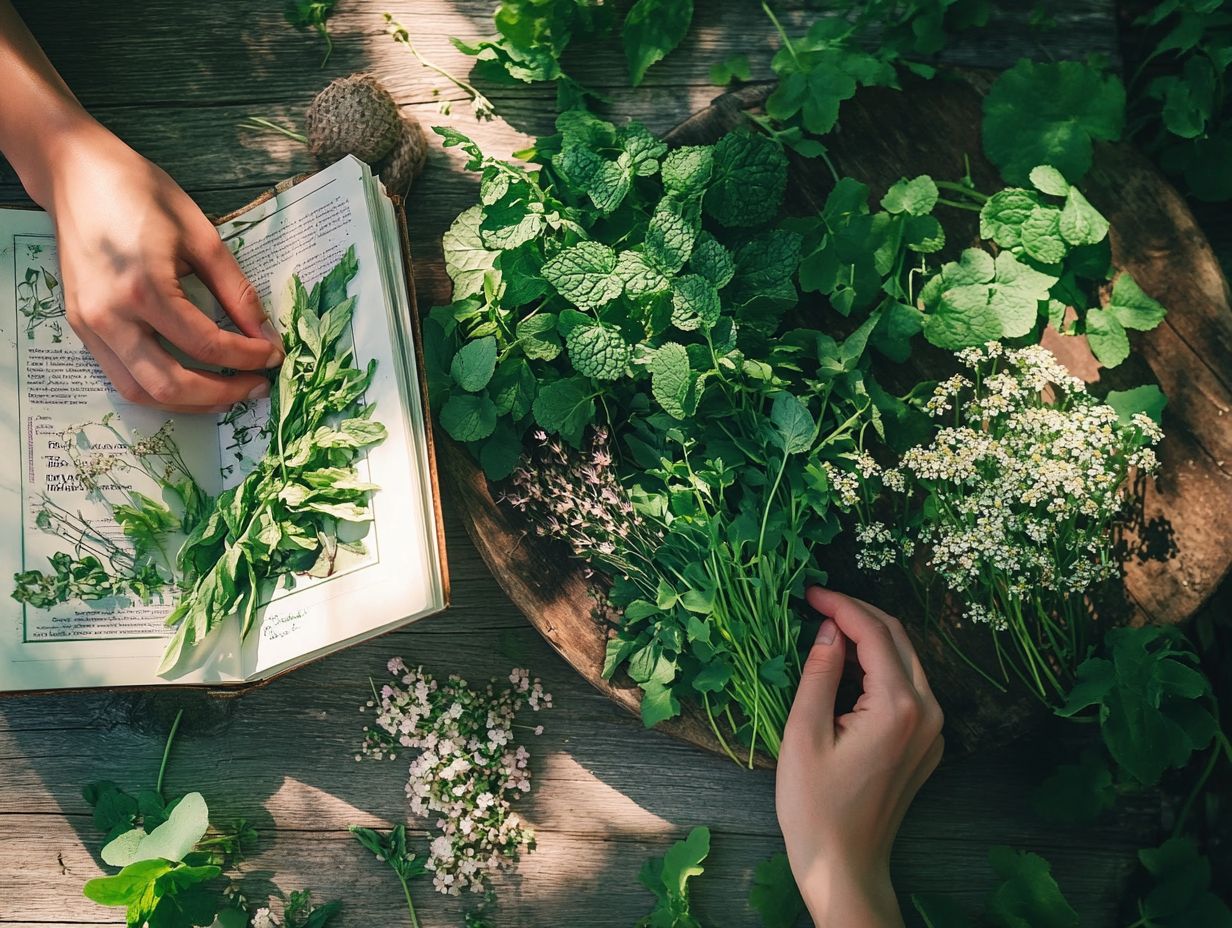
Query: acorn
[[357, 116]]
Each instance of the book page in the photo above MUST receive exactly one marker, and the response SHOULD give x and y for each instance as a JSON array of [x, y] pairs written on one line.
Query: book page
[[62, 410], [306, 230]]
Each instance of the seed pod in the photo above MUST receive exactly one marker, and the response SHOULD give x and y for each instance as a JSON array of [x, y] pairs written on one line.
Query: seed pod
[[354, 115]]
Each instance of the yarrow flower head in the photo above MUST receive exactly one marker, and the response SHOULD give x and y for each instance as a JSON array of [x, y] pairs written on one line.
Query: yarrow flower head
[[467, 767]]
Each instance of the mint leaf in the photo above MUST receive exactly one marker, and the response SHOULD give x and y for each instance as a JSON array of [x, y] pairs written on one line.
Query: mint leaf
[[686, 171], [1047, 179], [1016, 292], [1049, 113], [598, 351], [610, 184], [1004, 213], [1028, 897], [1081, 223], [775, 896], [1041, 235], [670, 236], [468, 416], [652, 29], [1106, 336], [638, 277], [584, 274], [750, 175], [713, 261], [1133, 308], [643, 147], [474, 363], [695, 303], [915, 197], [466, 258], [672, 382], [565, 407], [962, 319]]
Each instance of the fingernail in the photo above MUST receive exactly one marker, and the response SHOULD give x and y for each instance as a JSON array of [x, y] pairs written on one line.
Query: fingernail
[[260, 391], [827, 632], [271, 333]]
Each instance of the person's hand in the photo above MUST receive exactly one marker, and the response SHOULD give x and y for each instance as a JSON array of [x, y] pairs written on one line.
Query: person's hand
[[126, 233], [844, 782]]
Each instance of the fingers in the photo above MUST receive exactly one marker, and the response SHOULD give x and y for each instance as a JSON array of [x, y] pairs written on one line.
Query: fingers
[[123, 381], [195, 334], [906, 650], [168, 383], [217, 268], [876, 648], [812, 713]]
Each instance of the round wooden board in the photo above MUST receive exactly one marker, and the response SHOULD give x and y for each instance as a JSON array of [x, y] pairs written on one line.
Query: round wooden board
[[1181, 551]]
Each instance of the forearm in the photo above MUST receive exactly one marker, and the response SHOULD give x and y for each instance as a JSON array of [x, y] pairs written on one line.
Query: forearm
[[38, 113], [836, 900]]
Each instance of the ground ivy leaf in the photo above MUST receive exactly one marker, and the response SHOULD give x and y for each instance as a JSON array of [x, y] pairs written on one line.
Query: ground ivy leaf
[[1048, 113], [686, 171], [473, 364], [598, 351], [750, 176], [466, 258], [1028, 897], [1107, 338], [1016, 292], [672, 382], [1147, 399], [1076, 794], [584, 274], [468, 416], [695, 303], [658, 703], [564, 407], [653, 28], [538, 338], [774, 895], [512, 388], [1132, 307], [916, 197]]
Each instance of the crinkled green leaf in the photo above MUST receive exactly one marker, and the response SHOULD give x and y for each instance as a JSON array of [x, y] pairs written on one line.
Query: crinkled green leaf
[[468, 416], [466, 258], [672, 381], [713, 261], [598, 351], [686, 171], [670, 235], [538, 338], [584, 274], [695, 303], [750, 176], [640, 278]]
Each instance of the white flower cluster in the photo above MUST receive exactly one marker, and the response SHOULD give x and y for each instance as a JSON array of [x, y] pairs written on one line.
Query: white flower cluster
[[1023, 489], [468, 768]]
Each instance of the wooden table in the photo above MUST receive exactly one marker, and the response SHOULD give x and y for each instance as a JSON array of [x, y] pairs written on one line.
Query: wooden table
[[175, 80]]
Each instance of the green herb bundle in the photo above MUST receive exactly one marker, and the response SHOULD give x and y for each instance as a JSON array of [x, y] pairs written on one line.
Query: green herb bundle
[[284, 517]]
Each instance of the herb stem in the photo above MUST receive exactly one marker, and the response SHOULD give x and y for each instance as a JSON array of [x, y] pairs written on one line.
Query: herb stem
[[410, 905], [955, 187], [259, 123], [954, 204], [482, 105], [162, 767]]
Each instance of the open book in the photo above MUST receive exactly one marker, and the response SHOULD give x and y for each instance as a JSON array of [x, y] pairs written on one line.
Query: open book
[[64, 421]]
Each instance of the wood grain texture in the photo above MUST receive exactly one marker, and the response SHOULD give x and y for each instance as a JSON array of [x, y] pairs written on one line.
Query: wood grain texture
[[175, 79]]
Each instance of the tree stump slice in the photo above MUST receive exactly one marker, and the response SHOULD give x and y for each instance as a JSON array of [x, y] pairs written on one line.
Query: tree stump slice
[[1180, 549]]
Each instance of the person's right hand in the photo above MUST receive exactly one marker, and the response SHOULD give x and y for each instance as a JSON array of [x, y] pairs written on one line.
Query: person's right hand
[[126, 233], [844, 782]]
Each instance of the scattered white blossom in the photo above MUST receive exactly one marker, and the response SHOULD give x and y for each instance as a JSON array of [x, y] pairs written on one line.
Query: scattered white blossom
[[467, 768]]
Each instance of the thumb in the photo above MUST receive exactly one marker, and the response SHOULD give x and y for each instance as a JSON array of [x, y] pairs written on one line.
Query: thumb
[[813, 709], [217, 268]]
